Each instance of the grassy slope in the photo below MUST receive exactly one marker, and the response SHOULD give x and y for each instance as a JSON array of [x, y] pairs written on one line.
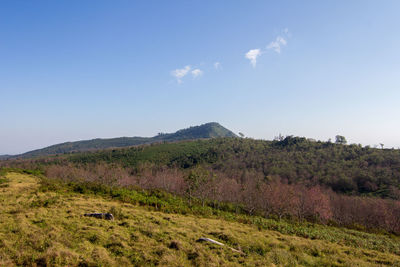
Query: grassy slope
[[38, 228]]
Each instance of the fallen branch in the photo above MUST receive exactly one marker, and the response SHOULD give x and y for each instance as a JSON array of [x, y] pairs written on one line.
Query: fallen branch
[[205, 239]]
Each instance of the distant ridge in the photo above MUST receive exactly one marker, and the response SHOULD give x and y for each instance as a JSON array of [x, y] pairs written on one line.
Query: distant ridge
[[208, 130]]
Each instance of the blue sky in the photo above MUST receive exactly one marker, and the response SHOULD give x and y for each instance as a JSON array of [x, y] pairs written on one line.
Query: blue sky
[[73, 70]]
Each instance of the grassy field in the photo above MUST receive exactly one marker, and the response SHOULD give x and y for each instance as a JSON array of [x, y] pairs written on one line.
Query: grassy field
[[47, 228]]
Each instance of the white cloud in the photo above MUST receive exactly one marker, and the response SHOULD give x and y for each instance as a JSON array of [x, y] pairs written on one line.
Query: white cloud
[[180, 73], [217, 65], [276, 45], [252, 56], [197, 73]]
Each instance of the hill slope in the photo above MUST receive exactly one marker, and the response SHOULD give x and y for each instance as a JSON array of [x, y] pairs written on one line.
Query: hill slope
[[48, 229], [208, 130], [349, 169]]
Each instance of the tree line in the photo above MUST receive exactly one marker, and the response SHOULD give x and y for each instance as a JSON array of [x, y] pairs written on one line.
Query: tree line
[[349, 169]]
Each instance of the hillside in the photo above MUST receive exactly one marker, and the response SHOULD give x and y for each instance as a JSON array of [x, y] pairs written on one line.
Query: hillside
[[46, 228], [350, 169], [293, 178], [208, 130]]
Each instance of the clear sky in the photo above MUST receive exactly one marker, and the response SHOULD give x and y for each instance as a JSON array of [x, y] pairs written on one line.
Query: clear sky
[[73, 70]]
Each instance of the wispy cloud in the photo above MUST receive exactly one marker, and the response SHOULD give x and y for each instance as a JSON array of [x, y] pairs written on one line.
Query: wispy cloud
[[217, 65], [197, 73], [277, 44], [252, 56], [180, 73]]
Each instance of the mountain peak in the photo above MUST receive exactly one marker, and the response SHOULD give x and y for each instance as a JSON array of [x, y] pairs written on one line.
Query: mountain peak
[[207, 130]]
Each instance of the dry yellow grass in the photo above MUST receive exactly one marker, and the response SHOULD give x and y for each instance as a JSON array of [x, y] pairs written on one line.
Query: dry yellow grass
[[38, 229]]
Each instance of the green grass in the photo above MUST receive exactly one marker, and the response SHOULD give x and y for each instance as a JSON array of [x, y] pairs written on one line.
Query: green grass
[[42, 223], [4, 182], [168, 203]]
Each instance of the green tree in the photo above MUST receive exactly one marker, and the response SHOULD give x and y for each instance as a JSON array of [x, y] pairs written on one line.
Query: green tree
[[340, 140]]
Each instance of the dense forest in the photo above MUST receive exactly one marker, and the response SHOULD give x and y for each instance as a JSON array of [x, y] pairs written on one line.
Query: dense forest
[[350, 169]]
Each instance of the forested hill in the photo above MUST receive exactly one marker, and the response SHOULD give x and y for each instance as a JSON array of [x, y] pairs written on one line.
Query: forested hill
[[208, 130], [350, 169]]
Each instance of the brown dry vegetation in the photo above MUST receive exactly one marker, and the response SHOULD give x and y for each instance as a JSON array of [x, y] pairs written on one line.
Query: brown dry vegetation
[[275, 198], [39, 229]]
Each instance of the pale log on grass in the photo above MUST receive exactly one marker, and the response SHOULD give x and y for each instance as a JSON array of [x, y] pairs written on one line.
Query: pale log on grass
[[205, 239]]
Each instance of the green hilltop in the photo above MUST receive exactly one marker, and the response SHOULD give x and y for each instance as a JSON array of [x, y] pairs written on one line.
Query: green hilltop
[[204, 131]]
